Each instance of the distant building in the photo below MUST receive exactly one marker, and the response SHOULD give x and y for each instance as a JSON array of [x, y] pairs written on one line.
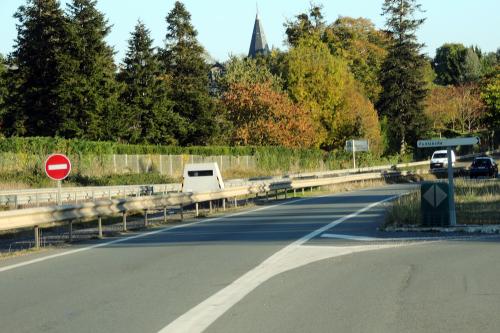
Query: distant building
[[258, 45]]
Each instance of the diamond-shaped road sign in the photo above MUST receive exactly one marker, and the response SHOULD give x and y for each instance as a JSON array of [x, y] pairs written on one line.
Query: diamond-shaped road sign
[[435, 196], [434, 204]]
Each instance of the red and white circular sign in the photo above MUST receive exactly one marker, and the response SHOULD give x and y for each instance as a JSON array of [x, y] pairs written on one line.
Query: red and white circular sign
[[57, 166]]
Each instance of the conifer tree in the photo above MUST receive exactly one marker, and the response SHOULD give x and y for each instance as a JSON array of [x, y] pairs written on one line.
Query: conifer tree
[[402, 77], [3, 90], [35, 75], [90, 90], [184, 61], [149, 112]]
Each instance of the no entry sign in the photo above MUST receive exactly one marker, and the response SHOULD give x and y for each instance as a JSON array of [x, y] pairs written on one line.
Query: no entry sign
[[57, 166]]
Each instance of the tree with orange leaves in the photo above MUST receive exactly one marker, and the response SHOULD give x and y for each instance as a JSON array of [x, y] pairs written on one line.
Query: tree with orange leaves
[[264, 117]]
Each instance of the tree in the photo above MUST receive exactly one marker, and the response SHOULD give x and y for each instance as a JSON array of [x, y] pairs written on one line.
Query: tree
[[317, 80], [248, 71], [455, 109], [35, 75], [357, 118], [472, 66], [183, 59], [305, 25], [402, 77], [456, 64], [263, 116], [363, 47], [3, 90], [90, 91], [440, 108], [491, 96], [149, 114], [323, 84]]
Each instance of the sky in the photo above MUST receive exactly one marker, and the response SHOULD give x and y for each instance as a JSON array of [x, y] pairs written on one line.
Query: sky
[[225, 26]]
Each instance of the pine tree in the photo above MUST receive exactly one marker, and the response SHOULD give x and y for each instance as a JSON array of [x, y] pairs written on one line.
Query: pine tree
[[149, 110], [184, 62], [90, 90], [3, 90], [402, 77], [35, 75]]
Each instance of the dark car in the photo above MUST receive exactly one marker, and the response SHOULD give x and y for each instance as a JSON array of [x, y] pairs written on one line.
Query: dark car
[[483, 166]]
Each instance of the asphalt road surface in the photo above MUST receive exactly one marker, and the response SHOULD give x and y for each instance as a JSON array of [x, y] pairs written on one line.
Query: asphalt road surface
[[304, 265]]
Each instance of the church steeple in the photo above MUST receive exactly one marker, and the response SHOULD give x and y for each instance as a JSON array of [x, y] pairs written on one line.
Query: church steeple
[[258, 45]]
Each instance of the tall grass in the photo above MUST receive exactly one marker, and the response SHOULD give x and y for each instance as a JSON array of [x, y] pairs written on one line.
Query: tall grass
[[476, 202]]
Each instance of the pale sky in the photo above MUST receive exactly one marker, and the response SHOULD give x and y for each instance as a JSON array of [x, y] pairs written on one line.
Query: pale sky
[[225, 26]]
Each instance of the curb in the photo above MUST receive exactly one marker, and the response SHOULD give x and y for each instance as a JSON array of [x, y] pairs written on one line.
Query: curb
[[483, 229]]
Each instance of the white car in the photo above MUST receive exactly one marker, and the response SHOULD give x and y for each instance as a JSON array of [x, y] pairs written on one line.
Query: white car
[[440, 159]]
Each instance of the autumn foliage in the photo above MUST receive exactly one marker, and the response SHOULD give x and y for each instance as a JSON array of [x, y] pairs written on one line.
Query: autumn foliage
[[262, 116]]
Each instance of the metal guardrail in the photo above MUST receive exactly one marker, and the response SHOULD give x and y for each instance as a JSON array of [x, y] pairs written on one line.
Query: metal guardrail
[[47, 196], [35, 217]]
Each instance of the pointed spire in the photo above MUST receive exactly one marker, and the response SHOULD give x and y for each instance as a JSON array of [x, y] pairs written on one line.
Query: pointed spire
[[258, 45]]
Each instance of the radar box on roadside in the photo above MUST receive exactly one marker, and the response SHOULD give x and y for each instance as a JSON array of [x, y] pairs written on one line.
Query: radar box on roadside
[[202, 177]]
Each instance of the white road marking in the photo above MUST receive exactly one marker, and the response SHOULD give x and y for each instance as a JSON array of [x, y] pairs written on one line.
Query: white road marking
[[54, 167], [292, 256], [375, 239], [121, 240]]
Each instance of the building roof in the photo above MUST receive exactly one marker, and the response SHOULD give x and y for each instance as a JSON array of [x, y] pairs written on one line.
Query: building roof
[[258, 45]]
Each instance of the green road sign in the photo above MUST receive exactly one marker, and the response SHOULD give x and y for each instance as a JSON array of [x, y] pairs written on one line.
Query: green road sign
[[435, 204]]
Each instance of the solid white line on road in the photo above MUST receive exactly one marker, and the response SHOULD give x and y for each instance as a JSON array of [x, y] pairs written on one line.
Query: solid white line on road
[[121, 240], [375, 239], [54, 167], [292, 256]]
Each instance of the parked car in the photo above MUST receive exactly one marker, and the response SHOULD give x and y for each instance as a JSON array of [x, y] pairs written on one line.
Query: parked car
[[440, 159], [483, 166]]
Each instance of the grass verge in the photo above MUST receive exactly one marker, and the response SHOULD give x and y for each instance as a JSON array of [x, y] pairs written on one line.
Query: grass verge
[[476, 202]]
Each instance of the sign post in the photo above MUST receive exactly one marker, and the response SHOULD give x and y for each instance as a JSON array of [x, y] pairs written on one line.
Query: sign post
[[354, 146], [449, 143], [58, 167]]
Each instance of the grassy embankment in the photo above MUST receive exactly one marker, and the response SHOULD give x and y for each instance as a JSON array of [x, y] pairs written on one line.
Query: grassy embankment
[[477, 202], [95, 163]]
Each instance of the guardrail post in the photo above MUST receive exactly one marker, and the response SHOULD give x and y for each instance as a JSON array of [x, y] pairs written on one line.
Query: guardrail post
[[196, 209], [165, 215], [37, 237], [124, 221], [146, 218], [70, 231], [99, 226]]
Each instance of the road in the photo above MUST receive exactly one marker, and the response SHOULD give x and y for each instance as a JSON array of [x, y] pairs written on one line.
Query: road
[[303, 265]]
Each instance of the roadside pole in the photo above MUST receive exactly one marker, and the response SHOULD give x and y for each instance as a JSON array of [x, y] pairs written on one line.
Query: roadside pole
[[451, 196], [59, 195], [354, 155]]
